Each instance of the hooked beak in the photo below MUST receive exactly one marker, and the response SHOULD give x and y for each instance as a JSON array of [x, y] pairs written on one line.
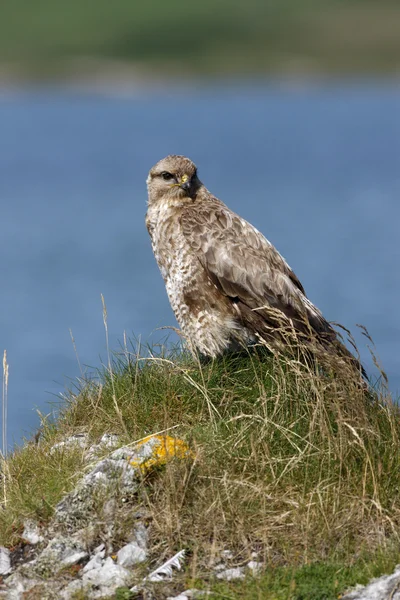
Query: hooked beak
[[185, 183]]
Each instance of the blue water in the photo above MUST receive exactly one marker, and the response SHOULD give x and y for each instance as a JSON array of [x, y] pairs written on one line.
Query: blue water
[[316, 169]]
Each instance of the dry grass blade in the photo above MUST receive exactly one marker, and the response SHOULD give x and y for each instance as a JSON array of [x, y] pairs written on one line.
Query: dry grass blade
[[105, 321], [4, 404]]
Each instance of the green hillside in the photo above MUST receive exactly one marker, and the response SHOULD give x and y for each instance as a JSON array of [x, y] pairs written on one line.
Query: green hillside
[[174, 39]]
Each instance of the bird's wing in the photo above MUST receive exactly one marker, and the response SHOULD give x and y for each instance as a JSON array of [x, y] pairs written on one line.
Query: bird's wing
[[246, 266]]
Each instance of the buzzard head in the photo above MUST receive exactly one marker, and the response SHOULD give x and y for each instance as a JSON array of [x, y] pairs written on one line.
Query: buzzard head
[[174, 178]]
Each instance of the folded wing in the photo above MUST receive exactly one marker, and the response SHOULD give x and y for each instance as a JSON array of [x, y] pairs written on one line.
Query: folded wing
[[248, 269]]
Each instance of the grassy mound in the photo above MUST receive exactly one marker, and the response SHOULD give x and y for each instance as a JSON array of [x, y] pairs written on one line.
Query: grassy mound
[[297, 466]]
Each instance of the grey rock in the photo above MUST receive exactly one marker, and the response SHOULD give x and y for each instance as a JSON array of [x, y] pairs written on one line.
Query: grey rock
[[113, 471], [17, 585], [231, 574], [188, 594], [96, 562], [77, 507], [254, 566], [5, 562], [87, 536], [123, 453], [74, 587], [74, 558], [131, 554], [109, 575], [61, 552], [140, 535], [109, 509], [32, 533], [107, 441], [137, 454], [79, 440], [382, 588], [75, 528]]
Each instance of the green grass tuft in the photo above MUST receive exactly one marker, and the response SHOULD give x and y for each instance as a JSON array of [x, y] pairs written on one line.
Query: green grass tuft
[[317, 581]]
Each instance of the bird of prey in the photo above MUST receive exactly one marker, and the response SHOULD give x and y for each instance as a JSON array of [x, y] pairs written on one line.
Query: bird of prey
[[227, 284]]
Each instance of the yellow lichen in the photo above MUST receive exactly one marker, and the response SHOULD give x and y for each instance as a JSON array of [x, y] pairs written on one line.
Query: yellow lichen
[[164, 449]]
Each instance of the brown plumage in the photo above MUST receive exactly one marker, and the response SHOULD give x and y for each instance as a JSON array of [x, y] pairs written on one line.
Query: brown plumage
[[226, 283]]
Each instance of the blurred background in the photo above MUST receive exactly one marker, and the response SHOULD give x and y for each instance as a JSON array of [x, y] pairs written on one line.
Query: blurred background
[[291, 110]]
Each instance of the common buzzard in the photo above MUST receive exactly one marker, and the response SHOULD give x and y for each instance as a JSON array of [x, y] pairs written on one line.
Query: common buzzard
[[227, 284]]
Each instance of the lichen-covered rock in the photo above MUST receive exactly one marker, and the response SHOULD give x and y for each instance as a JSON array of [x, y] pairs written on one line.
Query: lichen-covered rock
[[60, 553], [157, 450], [17, 585], [105, 479], [121, 472], [91, 510], [107, 442]]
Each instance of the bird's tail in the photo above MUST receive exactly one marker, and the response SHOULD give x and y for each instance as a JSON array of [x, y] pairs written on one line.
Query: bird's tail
[[324, 347]]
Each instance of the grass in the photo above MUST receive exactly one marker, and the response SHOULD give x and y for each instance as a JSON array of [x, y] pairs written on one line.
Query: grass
[[296, 465], [318, 581], [177, 38]]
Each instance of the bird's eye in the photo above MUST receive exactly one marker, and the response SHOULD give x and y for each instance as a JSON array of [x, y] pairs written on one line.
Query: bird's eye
[[166, 176]]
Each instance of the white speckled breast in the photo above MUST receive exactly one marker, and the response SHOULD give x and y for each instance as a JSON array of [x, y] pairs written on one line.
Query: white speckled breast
[[206, 318]]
